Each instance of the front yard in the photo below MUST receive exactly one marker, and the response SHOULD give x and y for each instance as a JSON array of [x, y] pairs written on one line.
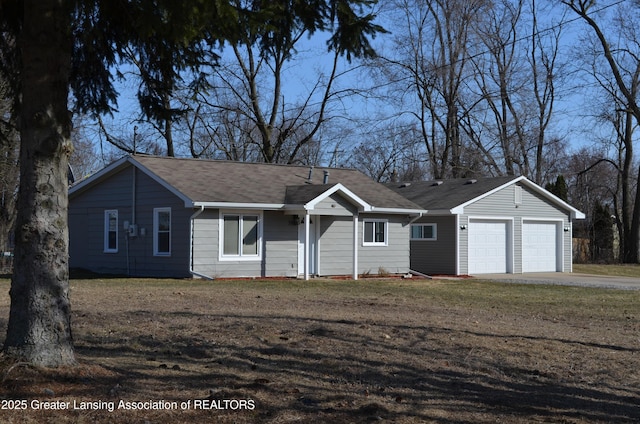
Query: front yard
[[403, 351]]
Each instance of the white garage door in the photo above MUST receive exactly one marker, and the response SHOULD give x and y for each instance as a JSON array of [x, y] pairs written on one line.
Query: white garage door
[[539, 246], [487, 247]]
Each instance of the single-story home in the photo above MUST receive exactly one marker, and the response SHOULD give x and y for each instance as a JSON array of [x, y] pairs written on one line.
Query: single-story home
[[489, 225], [159, 216]]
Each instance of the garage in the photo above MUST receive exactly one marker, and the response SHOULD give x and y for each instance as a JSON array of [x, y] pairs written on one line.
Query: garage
[[540, 242], [500, 225], [489, 246]]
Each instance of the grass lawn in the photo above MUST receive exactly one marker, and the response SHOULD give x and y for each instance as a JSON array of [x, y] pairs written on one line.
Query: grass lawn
[[402, 351], [622, 270]]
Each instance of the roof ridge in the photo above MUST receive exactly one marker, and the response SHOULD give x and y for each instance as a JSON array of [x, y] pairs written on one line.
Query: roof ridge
[[240, 162]]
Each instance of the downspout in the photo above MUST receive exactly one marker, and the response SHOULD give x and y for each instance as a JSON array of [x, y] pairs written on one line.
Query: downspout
[[411, 221], [191, 230], [415, 218], [133, 203], [133, 216]]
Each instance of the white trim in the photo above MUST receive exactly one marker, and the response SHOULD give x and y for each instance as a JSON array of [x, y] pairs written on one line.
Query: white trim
[[419, 212], [316, 252], [307, 219], [156, 211], [232, 205], [457, 231], [355, 246], [106, 232], [240, 257], [338, 187], [375, 243], [575, 213], [98, 175]]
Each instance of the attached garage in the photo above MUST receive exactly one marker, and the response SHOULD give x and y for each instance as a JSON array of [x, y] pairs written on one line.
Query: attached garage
[[505, 224], [541, 246], [489, 246]]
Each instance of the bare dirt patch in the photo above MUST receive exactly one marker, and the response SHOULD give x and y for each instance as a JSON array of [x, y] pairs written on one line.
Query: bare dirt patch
[[338, 351]]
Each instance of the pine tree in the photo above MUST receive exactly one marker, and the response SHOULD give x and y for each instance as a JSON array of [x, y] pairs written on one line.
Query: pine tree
[[61, 45]]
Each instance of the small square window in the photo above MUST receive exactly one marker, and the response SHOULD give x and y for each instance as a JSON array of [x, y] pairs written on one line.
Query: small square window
[[424, 232], [375, 233]]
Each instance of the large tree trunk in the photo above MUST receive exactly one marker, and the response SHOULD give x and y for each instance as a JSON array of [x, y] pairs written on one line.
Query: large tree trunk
[[39, 330]]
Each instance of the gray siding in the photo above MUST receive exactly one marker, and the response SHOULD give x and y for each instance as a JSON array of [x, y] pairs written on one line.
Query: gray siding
[[279, 243], [336, 245], [433, 257], [502, 204], [135, 254], [279, 248], [334, 205], [393, 258]]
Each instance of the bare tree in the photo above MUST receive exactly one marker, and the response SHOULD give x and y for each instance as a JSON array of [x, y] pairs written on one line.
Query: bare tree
[[501, 79], [253, 93], [427, 68], [546, 73], [622, 59], [395, 154]]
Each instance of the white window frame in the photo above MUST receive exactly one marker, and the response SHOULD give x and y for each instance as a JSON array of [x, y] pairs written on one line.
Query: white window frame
[[107, 215], [156, 230], [434, 232], [366, 221], [241, 256]]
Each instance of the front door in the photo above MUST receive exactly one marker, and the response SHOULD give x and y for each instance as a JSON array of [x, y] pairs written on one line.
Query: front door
[[313, 246]]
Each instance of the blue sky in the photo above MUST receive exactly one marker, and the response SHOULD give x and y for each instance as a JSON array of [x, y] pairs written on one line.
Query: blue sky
[[571, 113]]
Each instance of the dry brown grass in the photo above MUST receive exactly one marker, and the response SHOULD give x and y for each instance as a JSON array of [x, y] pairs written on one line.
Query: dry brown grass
[[403, 351]]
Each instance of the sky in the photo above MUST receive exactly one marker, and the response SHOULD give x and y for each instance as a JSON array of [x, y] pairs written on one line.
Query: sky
[[571, 112]]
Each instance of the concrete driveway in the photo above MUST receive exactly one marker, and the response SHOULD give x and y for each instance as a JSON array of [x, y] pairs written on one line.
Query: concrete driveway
[[567, 279]]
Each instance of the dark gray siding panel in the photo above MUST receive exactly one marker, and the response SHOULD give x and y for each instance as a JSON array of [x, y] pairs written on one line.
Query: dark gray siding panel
[[151, 195], [135, 254], [436, 256]]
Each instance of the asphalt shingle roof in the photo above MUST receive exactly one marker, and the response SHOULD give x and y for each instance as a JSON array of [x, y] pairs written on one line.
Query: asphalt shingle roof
[[242, 182], [447, 194]]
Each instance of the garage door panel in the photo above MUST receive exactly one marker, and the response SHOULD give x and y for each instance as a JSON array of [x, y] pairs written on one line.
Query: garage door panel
[[487, 247], [540, 247]]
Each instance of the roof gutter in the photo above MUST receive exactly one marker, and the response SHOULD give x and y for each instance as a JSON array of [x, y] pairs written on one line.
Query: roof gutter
[[233, 205], [398, 210], [191, 270]]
